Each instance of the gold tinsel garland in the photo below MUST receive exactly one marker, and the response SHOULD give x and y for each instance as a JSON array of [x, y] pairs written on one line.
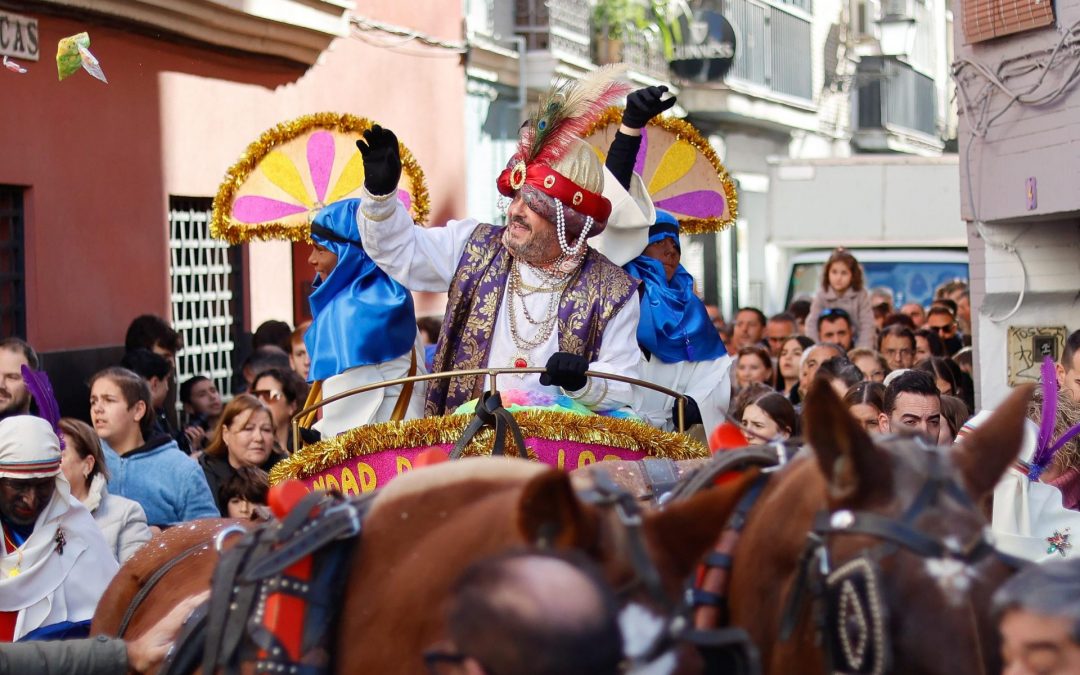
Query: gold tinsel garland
[[552, 425], [685, 131], [222, 225]]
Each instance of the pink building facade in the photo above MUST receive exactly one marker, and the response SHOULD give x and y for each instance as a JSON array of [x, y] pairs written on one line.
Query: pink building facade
[[92, 173]]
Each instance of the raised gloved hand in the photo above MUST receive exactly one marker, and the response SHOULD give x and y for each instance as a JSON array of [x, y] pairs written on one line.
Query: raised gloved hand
[[644, 104], [565, 370], [382, 160]]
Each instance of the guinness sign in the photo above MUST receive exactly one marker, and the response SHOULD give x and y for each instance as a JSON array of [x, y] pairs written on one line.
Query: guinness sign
[[707, 49]]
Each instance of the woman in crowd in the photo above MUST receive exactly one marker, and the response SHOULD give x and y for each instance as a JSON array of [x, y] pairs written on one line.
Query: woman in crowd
[[283, 392], [948, 377], [954, 413], [927, 344], [122, 521], [745, 397], [770, 417], [753, 365], [866, 401], [244, 437], [873, 365], [787, 369], [840, 373]]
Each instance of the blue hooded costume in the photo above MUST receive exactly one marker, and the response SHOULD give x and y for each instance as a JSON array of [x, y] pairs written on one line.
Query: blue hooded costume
[[674, 325], [360, 315]]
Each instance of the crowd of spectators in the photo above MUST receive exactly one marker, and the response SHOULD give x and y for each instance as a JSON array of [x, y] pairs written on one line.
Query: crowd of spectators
[[894, 367]]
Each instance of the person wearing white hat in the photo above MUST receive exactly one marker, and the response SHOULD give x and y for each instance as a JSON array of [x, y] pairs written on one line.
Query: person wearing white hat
[[1034, 514], [55, 563]]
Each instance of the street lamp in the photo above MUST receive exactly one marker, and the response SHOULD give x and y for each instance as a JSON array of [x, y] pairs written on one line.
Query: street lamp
[[897, 34]]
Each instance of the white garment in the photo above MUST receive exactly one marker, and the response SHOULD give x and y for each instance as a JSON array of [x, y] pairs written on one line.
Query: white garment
[[122, 521], [1026, 513], [53, 586], [373, 406], [425, 259], [707, 382]]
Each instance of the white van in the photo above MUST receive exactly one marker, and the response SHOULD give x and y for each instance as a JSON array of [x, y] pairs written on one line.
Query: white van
[[911, 274]]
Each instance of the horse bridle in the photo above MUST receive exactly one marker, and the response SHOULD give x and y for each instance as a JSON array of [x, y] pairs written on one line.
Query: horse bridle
[[677, 627], [817, 572]]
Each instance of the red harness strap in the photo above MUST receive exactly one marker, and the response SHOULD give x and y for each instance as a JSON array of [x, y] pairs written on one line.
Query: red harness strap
[[709, 594]]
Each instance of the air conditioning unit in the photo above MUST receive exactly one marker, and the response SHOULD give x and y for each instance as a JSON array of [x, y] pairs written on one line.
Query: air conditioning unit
[[898, 10]]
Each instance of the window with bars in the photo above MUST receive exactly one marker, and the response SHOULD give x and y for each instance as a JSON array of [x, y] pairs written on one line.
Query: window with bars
[[12, 280], [205, 279]]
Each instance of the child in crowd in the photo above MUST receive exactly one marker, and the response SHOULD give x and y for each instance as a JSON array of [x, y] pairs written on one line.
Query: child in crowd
[[842, 287], [245, 490]]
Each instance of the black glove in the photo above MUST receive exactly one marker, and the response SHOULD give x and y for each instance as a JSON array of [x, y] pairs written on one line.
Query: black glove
[[621, 157], [382, 160], [691, 413], [644, 104], [565, 370]]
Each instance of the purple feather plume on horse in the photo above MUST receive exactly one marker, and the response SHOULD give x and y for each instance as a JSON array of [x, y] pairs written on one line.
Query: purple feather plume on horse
[[37, 381]]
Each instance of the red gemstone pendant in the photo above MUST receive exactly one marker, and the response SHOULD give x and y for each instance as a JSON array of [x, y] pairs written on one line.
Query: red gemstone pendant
[[520, 363]]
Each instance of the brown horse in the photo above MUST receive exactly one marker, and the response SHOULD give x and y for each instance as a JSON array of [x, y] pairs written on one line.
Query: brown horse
[[175, 564], [895, 526], [424, 528]]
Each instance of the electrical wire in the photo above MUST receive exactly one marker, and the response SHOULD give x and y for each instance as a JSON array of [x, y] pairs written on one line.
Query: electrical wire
[[364, 28], [979, 123]]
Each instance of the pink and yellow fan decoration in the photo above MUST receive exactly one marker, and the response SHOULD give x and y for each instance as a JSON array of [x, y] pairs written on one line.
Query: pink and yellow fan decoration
[[680, 169], [295, 169]]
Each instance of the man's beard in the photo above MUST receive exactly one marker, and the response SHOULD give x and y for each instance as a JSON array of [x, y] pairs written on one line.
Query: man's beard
[[536, 249], [15, 404]]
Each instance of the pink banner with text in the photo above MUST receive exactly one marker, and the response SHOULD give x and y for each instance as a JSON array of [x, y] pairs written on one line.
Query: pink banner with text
[[367, 472]]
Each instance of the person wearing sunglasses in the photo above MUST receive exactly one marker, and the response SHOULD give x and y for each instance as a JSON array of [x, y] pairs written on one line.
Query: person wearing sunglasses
[[943, 322], [530, 612], [283, 392]]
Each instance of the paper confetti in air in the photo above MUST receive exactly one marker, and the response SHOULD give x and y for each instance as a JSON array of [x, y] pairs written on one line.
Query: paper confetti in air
[[73, 53], [14, 67]]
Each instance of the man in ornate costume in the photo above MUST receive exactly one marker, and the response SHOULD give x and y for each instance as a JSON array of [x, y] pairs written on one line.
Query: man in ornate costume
[[529, 294], [55, 562]]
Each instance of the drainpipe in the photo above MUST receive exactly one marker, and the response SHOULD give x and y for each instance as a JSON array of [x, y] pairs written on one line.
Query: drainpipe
[[522, 97]]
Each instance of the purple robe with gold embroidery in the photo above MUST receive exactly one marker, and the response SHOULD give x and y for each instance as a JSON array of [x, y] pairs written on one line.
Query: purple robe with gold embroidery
[[597, 292]]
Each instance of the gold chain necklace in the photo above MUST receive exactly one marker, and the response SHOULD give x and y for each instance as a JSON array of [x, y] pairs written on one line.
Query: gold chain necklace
[[545, 326]]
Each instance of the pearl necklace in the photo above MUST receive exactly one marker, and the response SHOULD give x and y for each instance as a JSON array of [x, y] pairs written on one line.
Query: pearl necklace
[[545, 325]]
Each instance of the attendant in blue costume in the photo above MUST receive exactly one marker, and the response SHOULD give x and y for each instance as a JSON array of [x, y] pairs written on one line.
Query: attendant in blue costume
[[681, 347], [363, 328]]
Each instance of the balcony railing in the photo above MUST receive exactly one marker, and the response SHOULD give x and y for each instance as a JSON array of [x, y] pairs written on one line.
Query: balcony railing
[[561, 26], [773, 48], [893, 95], [645, 54]]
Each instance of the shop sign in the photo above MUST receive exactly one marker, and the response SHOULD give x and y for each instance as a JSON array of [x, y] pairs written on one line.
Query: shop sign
[[707, 48], [18, 36]]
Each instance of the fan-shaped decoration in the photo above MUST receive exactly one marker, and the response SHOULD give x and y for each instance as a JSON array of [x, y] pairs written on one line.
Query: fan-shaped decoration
[[681, 171], [295, 169]]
